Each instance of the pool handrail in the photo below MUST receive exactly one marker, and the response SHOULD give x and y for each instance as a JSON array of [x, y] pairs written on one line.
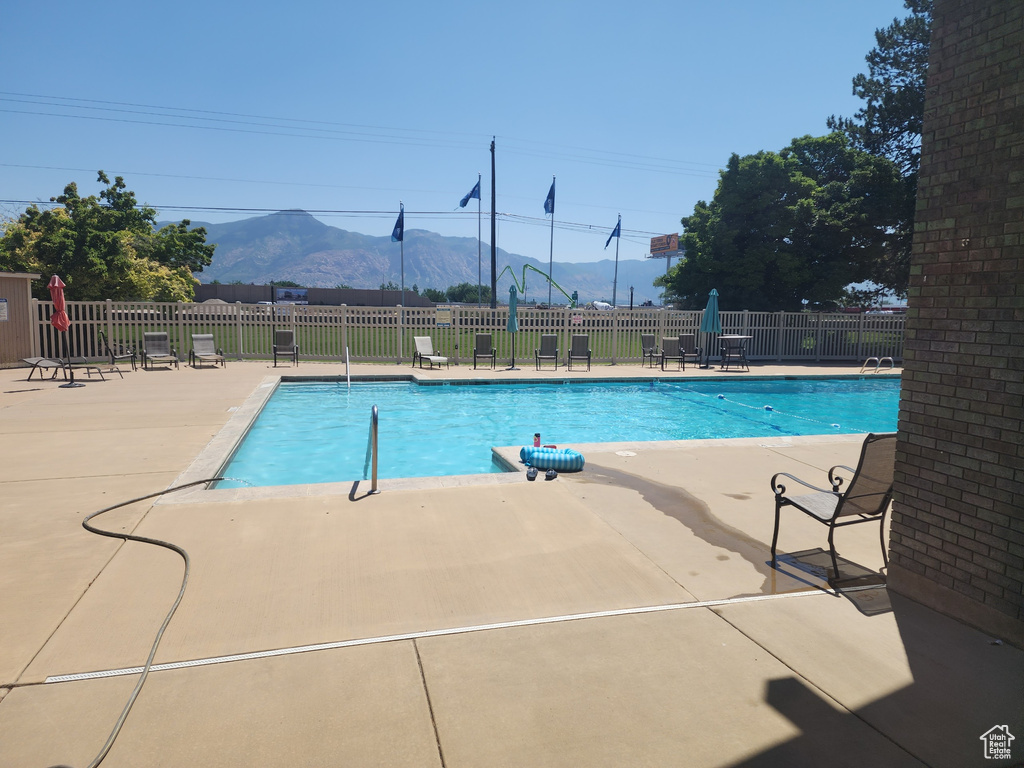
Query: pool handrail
[[373, 447]]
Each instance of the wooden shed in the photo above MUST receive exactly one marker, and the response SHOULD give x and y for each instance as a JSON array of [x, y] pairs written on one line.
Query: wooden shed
[[18, 338]]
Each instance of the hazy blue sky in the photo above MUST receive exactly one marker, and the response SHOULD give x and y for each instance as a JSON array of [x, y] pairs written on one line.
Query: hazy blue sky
[[352, 107]]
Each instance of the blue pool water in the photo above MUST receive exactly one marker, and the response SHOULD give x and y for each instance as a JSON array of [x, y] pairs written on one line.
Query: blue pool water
[[317, 432]]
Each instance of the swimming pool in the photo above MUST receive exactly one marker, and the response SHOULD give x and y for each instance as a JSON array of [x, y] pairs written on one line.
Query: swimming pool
[[317, 432]]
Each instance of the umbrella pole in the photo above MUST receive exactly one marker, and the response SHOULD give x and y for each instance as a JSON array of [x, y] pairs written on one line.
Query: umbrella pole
[[512, 365], [67, 353]]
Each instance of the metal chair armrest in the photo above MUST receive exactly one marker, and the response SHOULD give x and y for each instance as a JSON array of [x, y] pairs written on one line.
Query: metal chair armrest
[[835, 479], [780, 490]]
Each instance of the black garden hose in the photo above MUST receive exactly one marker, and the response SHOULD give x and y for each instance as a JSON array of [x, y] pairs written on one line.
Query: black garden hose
[[159, 635]]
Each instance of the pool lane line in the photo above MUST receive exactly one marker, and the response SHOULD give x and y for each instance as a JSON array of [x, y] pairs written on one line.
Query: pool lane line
[[450, 631]]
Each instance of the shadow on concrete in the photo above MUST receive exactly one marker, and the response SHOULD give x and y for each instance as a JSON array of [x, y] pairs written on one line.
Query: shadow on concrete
[[861, 586], [964, 684]]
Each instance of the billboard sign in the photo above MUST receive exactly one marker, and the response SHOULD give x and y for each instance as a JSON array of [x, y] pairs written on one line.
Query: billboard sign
[[291, 295], [664, 244]]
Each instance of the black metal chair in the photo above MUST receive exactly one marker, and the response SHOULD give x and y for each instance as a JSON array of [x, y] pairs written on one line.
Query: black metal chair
[[484, 348], [866, 498], [648, 348], [670, 351], [548, 350], [579, 350], [688, 348], [285, 346], [117, 352]]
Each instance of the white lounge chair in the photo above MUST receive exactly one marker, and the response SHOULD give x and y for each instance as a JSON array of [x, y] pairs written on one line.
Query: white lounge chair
[[425, 351]]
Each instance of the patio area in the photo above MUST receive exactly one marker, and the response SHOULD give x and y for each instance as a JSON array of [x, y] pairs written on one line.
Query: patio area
[[623, 616]]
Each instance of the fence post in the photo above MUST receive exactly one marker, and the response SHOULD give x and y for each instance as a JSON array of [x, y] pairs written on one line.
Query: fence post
[[615, 335], [779, 320], [455, 328], [860, 337], [817, 337], [401, 332], [110, 323], [344, 327], [35, 328], [238, 326], [181, 329]]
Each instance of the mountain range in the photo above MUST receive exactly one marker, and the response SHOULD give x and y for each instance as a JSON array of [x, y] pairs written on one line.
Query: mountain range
[[295, 246]]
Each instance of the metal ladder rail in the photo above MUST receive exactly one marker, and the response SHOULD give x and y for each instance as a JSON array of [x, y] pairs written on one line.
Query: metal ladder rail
[[371, 451]]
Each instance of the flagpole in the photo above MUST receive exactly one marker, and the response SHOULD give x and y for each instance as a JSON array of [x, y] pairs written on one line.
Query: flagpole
[[494, 237], [479, 247], [615, 279], [551, 252], [401, 244]]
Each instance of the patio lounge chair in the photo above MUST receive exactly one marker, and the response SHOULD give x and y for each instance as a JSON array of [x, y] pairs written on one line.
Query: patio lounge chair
[[866, 498], [157, 349], [43, 364], [484, 348], [579, 350], [425, 351], [688, 348], [285, 346], [670, 351], [118, 352], [203, 351], [548, 350], [648, 348]]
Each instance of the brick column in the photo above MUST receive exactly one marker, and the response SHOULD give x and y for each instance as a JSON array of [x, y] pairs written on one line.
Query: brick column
[[957, 537]]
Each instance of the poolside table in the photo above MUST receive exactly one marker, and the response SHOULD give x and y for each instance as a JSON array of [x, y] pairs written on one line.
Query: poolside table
[[734, 350]]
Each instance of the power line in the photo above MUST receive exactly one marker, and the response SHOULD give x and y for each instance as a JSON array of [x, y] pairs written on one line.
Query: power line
[[513, 218], [307, 128]]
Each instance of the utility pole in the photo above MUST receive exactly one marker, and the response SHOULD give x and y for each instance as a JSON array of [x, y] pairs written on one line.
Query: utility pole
[[494, 237]]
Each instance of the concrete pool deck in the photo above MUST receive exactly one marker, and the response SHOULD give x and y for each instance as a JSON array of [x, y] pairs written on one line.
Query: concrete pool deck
[[626, 615]]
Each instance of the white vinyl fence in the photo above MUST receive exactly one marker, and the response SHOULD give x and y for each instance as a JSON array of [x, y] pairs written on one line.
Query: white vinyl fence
[[385, 334]]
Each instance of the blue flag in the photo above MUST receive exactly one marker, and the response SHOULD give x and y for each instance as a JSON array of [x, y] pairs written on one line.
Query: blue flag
[[549, 204], [474, 194], [398, 234], [615, 233]]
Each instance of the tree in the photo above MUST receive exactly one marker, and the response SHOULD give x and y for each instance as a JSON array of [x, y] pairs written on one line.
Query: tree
[[889, 123], [469, 293], [435, 295], [788, 228], [106, 247]]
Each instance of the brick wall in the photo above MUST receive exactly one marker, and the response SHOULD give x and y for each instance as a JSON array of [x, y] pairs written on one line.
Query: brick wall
[[957, 537]]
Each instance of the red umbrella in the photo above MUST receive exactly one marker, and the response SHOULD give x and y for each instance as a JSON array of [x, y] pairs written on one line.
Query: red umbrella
[[60, 320]]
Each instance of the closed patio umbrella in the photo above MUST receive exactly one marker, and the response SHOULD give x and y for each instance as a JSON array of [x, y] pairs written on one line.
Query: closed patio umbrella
[[513, 322], [710, 322], [61, 322]]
